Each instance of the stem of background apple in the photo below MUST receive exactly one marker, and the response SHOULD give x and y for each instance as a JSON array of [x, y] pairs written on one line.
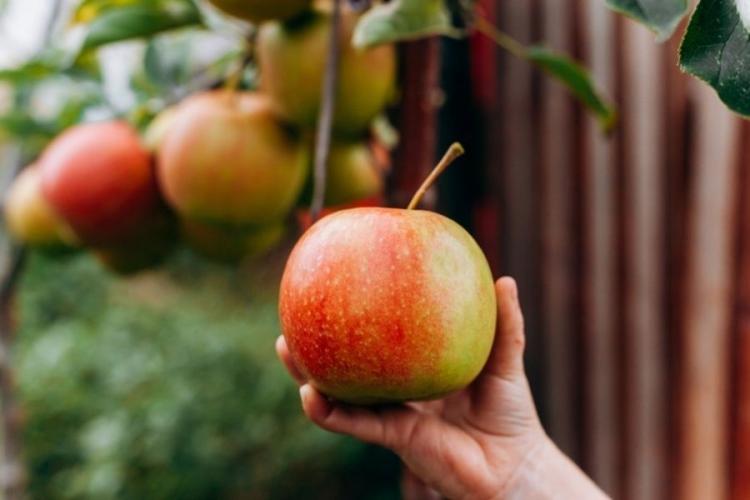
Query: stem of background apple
[[450, 156], [232, 83], [325, 119]]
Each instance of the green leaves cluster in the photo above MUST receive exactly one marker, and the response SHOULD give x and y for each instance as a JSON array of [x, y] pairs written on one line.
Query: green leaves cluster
[[400, 20], [715, 46], [69, 69]]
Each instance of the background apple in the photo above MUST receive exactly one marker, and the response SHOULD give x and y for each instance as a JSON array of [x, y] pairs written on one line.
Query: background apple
[[262, 10], [228, 160], [352, 175], [385, 305], [29, 218], [292, 57], [100, 180]]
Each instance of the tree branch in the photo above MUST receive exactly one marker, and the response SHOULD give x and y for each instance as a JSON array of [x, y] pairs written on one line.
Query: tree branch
[[327, 109]]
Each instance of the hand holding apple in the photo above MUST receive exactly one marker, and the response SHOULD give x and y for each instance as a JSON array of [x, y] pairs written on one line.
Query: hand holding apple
[[484, 442]]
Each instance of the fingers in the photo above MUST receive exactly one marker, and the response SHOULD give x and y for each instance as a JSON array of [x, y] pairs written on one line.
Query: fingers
[[282, 350], [506, 359], [391, 427]]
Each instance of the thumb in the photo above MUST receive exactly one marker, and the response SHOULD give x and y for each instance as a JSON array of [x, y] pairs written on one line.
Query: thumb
[[506, 358]]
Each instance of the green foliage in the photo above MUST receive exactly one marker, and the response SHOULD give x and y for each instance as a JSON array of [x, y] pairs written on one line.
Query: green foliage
[[404, 20], [662, 16], [167, 387], [716, 49], [578, 80], [139, 20]]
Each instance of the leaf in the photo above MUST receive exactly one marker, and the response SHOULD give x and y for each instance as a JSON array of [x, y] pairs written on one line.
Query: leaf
[[743, 7], [661, 16], [401, 20], [33, 70], [577, 79], [88, 10], [129, 22], [716, 49]]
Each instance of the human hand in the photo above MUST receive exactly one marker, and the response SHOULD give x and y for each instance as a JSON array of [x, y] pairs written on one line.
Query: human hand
[[483, 442]]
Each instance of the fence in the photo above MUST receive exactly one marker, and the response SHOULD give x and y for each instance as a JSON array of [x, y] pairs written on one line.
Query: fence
[[632, 251]]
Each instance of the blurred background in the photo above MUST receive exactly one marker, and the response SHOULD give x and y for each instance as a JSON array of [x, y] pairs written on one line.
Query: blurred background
[[630, 249]]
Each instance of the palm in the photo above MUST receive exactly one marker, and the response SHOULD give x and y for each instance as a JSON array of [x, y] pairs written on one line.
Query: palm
[[476, 437]]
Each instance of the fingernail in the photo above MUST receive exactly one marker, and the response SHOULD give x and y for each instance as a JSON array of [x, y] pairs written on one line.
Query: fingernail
[[304, 393]]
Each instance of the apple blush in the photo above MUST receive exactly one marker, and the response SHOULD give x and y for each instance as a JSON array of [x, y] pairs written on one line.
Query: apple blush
[[382, 305]]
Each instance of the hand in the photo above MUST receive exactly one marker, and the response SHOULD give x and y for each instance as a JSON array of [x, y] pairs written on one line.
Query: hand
[[483, 442]]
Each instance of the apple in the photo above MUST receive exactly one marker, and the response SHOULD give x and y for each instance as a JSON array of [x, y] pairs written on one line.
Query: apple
[[231, 245], [292, 58], [352, 175], [257, 11], [29, 217], [227, 160], [382, 305], [99, 179]]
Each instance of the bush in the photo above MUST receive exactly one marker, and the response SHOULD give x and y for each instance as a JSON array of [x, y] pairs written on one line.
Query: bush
[[166, 387]]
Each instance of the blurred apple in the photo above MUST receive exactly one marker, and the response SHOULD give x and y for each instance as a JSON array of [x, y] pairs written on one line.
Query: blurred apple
[[227, 160], [257, 11], [292, 58], [353, 174], [29, 218], [99, 179]]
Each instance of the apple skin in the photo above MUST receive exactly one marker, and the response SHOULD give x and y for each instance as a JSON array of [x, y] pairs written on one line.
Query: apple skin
[[231, 245], [100, 180], [383, 305], [292, 58], [227, 160], [257, 11], [352, 175], [29, 217]]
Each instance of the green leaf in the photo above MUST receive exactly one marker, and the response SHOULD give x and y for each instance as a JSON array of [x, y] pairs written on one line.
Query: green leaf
[[130, 22], [33, 70], [662, 16], [400, 20], [716, 49], [577, 79]]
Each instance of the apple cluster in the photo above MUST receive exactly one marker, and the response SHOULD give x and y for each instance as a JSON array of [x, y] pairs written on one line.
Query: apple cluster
[[223, 170]]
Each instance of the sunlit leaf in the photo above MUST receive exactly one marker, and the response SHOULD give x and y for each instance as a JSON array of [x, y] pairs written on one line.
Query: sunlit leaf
[[400, 20], [139, 21]]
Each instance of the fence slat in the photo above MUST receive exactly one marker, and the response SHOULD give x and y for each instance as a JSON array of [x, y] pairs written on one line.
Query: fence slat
[[599, 273], [703, 468], [558, 151], [645, 335], [519, 217], [741, 415]]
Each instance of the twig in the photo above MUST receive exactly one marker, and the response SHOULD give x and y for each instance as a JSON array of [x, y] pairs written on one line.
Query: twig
[[13, 472], [325, 119]]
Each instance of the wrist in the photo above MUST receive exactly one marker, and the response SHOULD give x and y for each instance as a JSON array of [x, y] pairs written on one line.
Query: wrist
[[547, 473]]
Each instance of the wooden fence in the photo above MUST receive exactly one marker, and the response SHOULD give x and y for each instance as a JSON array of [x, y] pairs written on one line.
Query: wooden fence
[[632, 251]]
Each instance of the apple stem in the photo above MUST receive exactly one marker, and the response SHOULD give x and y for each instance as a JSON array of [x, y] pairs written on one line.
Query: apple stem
[[450, 156]]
